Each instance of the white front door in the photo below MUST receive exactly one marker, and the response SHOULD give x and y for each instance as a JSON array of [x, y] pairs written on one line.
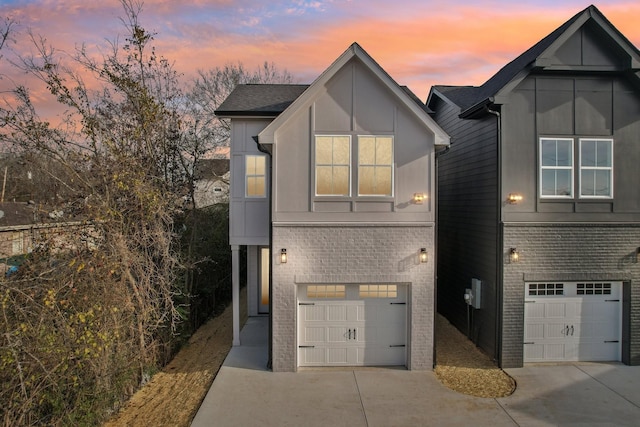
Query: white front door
[[352, 325], [573, 321]]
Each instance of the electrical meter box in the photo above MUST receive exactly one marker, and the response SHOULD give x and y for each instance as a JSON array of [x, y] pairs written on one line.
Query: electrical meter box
[[476, 291]]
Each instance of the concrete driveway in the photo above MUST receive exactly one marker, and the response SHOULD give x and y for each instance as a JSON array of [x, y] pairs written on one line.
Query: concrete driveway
[[244, 393]]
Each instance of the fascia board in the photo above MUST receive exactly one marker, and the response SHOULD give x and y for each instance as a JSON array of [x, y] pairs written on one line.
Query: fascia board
[[267, 136]]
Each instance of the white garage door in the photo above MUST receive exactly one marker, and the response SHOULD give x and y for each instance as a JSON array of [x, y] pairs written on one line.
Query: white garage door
[[352, 325], [572, 321]]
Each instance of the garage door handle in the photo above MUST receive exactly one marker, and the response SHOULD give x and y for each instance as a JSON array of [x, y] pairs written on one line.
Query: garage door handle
[[398, 303], [611, 341], [354, 333], [612, 300], [306, 346], [571, 330], [306, 303], [349, 333], [398, 345]]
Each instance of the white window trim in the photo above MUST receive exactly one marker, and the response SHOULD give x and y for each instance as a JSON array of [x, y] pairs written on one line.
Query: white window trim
[[580, 167], [393, 162], [247, 176], [571, 168]]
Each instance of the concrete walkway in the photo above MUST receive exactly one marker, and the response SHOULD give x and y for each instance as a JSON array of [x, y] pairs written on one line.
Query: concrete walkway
[[244, 393]]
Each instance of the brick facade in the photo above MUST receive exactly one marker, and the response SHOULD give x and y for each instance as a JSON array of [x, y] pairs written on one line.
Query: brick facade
[[345, 254], [570, 252]]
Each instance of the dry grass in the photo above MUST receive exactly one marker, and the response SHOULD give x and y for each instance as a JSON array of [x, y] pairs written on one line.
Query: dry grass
[[463, 367]]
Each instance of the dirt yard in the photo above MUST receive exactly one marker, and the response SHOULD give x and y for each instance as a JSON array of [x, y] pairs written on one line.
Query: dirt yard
[[173, 396]]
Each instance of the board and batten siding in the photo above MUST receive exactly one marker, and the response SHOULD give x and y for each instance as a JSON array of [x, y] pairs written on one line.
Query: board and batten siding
[[570, 107], [353, 103], [248, 217], [468, 222]]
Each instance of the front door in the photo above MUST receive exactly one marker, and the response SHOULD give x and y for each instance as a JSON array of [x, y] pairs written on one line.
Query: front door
[[263, 285]]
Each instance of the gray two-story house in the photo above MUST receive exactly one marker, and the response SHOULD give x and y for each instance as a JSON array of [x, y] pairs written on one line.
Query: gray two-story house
[[539, 206], [333, 195]]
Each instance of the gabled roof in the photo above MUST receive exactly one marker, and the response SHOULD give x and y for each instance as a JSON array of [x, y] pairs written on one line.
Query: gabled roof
[[211, 168], [473, 98], [266, 100], [404, 95]]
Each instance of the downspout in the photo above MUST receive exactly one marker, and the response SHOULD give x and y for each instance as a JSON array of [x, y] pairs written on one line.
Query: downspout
[[435, 247], [264, 150], [499, 238]]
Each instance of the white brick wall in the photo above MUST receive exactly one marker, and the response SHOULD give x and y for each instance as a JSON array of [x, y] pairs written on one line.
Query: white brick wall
[[353, 254]]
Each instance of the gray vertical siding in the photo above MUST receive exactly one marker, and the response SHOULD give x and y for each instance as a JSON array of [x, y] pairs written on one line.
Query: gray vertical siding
[[467, 222]]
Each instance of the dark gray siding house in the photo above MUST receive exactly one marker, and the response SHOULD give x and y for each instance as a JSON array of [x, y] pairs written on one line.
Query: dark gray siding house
[[539, 207]]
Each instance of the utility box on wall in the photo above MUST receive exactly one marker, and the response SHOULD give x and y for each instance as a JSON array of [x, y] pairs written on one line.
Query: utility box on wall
[[476, 290]]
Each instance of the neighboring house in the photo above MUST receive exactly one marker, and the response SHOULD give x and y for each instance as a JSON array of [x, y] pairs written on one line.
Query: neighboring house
[[539, 210], [211, 182], [333, 194], [23, 226]]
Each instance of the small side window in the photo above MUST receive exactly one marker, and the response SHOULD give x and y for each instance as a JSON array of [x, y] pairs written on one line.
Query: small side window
[[255, 176]]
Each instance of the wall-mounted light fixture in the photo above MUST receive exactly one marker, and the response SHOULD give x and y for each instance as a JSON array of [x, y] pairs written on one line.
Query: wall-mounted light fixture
[[637, 255], [283, 256], [514, 198], [514, 255], [418, 198], [423, 255]]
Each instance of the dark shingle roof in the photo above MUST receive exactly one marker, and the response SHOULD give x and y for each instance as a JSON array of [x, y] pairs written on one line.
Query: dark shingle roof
[[211, 168], [272, 99], [260, 99]]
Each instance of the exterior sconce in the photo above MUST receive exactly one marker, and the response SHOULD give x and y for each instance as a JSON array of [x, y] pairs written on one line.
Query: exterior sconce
[[637, 255], [418, 198], [514, 198], [423, 255], [514, 256], [283, 256]]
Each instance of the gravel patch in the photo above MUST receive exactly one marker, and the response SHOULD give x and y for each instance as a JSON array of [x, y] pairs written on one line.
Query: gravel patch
[[463, 367]]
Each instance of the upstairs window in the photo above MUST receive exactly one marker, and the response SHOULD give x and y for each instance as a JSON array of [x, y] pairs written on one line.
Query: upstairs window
[[556, 168], [255, 178], [596, 168], [333, 165], [375, 165]]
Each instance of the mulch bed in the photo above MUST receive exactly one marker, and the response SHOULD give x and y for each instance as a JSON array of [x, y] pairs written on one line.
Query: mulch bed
[[463, 367]]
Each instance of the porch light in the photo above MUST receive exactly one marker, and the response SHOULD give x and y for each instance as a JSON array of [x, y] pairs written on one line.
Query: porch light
[[418, 198], [514, 198], [637, 255], [283, 256], [514, 256], [423, 255]]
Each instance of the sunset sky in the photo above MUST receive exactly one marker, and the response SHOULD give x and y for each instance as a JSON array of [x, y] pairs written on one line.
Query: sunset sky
[[418, 42]]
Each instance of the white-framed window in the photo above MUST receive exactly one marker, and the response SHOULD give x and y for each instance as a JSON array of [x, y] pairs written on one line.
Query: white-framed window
[[333, 165], [556, 167], [596, 168], [255, 176], [375, 165]]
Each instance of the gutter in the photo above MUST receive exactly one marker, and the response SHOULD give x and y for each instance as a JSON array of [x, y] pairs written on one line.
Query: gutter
[[263, 149], [499, 238]]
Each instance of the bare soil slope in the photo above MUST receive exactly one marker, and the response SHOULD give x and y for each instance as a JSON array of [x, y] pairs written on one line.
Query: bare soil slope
[[173, 396]]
